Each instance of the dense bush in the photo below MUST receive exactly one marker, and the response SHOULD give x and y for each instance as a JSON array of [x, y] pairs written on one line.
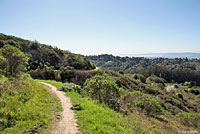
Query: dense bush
[[139, 77], [127, 83], [194, 90], [104, 89], [70, 87], [155, 79], [47, 73], [187, 83], [142, 102], [76, 76], [158, 86], [152, 89], [198, 96], [179, 95]]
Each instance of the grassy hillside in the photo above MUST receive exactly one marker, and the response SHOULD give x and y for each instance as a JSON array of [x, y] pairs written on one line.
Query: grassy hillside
[[97, 117], [26, 106], [91, 119]]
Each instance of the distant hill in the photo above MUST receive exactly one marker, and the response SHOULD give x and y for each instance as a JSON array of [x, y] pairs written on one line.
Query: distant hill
[[43, 56], [166, 55], [130, 64]]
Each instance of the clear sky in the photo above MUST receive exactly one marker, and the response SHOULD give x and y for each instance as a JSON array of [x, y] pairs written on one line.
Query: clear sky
[[106, 26]]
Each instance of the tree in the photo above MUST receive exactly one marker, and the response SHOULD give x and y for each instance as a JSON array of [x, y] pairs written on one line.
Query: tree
[[14, 59]]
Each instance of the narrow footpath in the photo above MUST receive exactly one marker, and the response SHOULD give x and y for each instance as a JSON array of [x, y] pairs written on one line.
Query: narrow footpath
[[67, 124]]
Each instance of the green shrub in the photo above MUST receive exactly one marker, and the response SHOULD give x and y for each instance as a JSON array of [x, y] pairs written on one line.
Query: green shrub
[[3, 79], [189, 84], [171, 108], [70, 87], [158, 86], [189, 119], [142, 102], [104, 89], [198, 96], [195, 91], [140, 77], [179, 95], [127, 83], [155, 79], [151, 90]]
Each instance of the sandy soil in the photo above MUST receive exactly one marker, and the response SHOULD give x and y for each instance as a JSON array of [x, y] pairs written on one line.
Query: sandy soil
[[67, 124]]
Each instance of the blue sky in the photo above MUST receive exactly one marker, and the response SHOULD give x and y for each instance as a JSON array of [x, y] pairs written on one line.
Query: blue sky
[[106, 26]]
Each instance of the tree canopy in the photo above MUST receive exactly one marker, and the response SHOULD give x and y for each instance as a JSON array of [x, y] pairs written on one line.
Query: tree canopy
[[12, 59]]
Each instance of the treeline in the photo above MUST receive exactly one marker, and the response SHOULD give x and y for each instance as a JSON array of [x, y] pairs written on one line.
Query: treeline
[[131, 64], [173, 75], [173, 70], [41, 55]]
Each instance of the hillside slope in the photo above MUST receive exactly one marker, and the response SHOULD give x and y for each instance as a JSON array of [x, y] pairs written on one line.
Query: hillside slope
[[41, 55], [26, 106]]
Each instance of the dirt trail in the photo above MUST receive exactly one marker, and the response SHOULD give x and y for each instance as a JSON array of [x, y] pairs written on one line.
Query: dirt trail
[[67, 125]]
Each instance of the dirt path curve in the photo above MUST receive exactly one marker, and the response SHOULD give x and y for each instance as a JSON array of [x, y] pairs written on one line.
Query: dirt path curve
[[67, 125]]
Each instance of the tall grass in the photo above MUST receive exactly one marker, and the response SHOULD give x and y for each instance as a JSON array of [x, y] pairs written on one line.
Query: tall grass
[[26, 107]]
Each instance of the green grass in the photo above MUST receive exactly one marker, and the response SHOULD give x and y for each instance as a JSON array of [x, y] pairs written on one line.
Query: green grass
[[26, 107], [95, 118], [52, 82]]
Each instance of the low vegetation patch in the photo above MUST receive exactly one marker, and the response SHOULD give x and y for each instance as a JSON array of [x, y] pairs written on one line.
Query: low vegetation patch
[[139, 77], [142, 102], [70, 87], [189, 119], [194, 90]]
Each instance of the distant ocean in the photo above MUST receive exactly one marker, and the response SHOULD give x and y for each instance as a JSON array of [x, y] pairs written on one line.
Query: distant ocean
[[165, 55]]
